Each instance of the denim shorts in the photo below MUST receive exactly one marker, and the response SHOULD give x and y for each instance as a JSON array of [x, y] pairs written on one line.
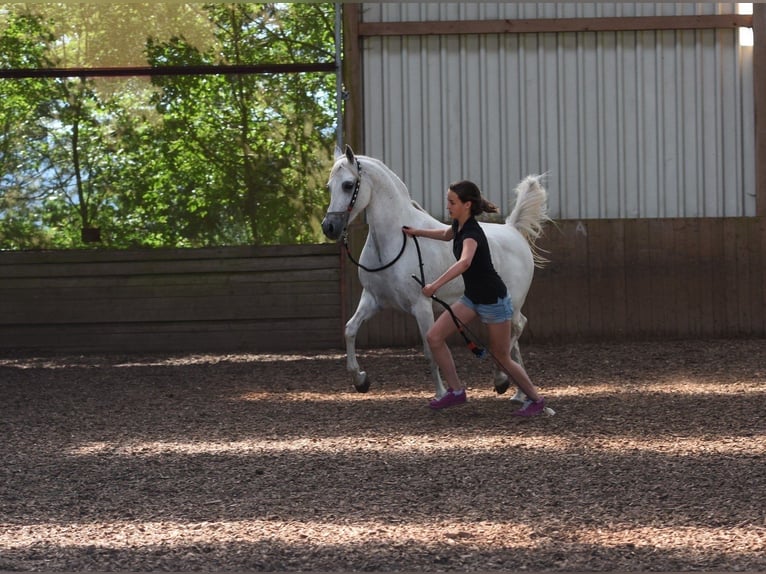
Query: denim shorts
[[491, 313]]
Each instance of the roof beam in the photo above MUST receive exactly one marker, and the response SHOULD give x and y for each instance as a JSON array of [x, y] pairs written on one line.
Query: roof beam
[[165, 70], [547, 25]]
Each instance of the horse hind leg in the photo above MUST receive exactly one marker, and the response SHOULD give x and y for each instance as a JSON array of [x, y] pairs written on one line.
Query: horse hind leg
[[501, 381], [517, 328], [367, 308], [519, 396]]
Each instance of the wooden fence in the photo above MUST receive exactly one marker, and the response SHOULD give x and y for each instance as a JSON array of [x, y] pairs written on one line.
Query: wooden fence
[[606, 279], [247, 299]]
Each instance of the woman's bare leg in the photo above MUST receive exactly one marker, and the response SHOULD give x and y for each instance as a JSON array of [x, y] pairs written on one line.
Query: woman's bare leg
[[437, 337], [500, 345]]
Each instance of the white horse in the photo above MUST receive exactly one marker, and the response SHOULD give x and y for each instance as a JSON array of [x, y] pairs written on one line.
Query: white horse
[[389, 259]]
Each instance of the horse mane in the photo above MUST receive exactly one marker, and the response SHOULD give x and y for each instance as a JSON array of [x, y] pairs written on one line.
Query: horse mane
[[417, 206], [396, 181]]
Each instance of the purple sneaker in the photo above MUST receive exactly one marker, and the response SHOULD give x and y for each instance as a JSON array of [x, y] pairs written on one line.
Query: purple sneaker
[[451, 399], [530, 408]]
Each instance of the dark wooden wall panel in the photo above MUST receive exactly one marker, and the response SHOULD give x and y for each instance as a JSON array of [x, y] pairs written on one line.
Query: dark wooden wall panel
[[605, 279], [663, 278], [249, 299], [628, 279]]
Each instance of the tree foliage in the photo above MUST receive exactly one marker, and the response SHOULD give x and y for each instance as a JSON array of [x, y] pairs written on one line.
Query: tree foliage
[[191, 160], [23, 43]]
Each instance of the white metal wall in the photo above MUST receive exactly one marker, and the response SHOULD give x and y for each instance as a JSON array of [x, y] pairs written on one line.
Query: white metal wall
[[626, 124]]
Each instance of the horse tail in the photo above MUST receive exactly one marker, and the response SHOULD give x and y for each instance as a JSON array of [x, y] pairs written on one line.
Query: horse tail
[[530, 213]]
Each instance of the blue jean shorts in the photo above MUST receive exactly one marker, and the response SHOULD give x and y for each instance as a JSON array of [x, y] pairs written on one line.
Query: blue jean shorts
[[491, 313]]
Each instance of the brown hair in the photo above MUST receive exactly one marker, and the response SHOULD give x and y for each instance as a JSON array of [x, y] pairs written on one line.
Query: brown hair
[[469, 191]]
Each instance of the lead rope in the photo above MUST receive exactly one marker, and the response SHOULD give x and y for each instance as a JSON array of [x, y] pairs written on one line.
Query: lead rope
[[376, 269], [476, 349], [345, 230]]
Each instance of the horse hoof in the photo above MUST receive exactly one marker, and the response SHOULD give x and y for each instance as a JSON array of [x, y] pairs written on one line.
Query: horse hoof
[[502, 387], [519, 397], [549, 411], [364, 386]]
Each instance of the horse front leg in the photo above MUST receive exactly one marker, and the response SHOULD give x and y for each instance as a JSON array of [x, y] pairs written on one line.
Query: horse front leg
[[367, 308], [424, 315]]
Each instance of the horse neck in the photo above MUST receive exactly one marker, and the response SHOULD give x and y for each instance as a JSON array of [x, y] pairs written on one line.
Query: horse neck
[[390, 202]]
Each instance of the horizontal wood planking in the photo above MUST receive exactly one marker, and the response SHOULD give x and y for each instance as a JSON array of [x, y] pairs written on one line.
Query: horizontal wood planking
[[170, 254], [628, 279], [257, 299], [650, 279], [187, 336], [606, 279]]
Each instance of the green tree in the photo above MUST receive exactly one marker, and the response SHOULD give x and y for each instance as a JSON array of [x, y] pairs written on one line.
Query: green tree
[[58, 142], [247, 151], [178, 161], [24, 43]]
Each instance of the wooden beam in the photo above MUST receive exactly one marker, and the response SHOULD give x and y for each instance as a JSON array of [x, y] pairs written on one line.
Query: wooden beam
[[547, 25], [352, 77], [165, 70], [759, 88]]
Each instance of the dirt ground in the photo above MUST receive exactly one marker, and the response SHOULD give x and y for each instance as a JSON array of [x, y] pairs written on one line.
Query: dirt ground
[[655, 460]]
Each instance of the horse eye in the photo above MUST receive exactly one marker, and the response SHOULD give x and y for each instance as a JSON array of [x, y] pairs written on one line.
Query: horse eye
[[348, 186]]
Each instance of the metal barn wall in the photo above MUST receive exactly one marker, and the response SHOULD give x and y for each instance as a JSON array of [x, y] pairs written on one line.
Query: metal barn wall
[[627, 124], [645, 117]]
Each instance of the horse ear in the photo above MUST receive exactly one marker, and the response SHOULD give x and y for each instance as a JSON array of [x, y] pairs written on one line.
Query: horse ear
[[338, 153], [350, 154]]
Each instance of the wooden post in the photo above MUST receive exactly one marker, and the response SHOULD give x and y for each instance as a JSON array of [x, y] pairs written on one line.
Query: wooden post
[[759, 87], [352, 74]]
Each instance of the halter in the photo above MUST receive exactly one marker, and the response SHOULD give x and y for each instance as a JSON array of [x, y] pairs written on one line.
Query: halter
[[346, 215], [356, 187]]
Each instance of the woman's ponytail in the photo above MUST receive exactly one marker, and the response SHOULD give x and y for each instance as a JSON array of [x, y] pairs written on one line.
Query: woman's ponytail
[[488, 206], [469, 191]]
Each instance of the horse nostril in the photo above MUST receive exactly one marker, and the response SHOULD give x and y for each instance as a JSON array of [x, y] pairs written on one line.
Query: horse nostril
[[333, 225], [328, 228]]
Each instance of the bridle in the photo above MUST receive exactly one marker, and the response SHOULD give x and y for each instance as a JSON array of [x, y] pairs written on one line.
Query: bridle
[[345, 215]]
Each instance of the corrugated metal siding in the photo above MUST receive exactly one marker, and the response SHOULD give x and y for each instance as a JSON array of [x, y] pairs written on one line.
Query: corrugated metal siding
[[627, 124]]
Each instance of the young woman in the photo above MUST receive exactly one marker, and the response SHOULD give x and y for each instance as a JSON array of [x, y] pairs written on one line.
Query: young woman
[[485, 295]]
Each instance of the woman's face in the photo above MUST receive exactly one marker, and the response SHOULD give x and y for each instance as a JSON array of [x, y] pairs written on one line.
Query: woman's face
[[456, 208]]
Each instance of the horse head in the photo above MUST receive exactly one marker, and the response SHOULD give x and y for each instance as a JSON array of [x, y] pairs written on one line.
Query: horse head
[[347, 196]]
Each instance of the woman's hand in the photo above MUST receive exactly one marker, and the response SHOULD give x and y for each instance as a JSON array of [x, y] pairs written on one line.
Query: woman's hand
[[429, 290], [409, 230]]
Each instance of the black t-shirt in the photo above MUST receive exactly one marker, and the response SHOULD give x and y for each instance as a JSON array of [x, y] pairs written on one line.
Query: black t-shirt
[[482, 283]]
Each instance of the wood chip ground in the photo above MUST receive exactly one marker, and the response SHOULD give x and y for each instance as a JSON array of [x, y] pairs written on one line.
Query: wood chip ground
[[655, 461]]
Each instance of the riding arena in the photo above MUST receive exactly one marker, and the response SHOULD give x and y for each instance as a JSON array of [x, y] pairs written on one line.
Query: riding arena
[[266, 408]]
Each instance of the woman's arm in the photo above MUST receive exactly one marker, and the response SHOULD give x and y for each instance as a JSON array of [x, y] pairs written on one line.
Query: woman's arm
[[454, 270], [444, 234]]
